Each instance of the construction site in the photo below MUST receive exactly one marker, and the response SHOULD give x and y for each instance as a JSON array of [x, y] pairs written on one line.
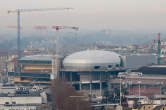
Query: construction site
[[106, 77]]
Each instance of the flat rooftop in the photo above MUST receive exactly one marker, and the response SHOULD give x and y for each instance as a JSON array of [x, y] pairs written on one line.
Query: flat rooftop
[[19, 95]]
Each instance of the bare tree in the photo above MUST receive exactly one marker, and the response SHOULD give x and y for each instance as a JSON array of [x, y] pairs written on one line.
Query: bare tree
[[65, 97], [44, 107]]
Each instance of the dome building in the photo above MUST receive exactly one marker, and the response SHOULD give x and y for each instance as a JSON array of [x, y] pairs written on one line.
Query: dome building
[[90, 70], [93, 59], [87, 70]]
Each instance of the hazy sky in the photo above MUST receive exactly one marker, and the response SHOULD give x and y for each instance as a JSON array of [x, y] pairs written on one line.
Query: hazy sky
[[90, 14]]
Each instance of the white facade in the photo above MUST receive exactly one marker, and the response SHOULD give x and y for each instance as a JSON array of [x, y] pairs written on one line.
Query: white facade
[[20, 100], [5, 90], [18, 107]]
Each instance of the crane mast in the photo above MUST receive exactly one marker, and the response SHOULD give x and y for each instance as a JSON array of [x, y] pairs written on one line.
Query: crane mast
[[158, 41], [18, 12], [55, 60], [158, 49]]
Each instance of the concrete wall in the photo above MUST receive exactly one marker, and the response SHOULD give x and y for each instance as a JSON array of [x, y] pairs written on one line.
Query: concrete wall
[[7, 90]]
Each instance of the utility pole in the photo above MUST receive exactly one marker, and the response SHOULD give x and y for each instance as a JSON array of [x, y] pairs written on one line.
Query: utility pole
[[139, 82], [160, 83], [139, 90], [120, 75], [18, 12], [130, 84], [120, 91]]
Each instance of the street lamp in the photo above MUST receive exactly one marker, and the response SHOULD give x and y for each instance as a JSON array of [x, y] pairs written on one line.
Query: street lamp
[[120, 76], [160, 83], [130, 83], [120, 91], [139, 82]]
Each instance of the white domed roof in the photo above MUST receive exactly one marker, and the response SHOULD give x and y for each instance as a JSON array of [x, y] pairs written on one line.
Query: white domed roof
[[91, 58]]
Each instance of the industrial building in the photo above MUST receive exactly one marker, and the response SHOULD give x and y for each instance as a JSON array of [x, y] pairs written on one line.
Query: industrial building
[[32, 69], [87, 70], [142, 88], [15, 101], [3, 65], [135, 61], [153, 69], [90, 70], [22, 98]]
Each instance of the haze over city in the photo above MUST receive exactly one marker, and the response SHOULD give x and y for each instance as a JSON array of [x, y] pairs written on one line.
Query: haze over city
[[90, 14], [82, 55]]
